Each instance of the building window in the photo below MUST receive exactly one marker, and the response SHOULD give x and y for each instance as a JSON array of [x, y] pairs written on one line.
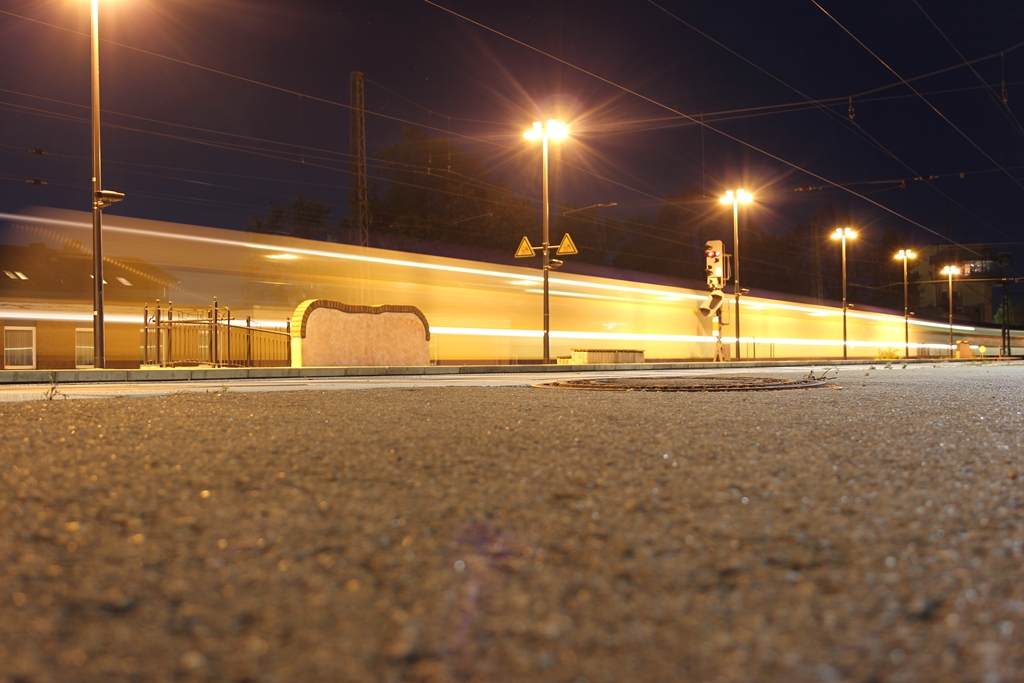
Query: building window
[[84, 357], [944, 299], [19, 348], [980, 267]]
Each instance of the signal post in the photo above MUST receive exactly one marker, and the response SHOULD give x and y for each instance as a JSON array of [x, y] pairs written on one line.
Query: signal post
[[527, 250], [715, 266]]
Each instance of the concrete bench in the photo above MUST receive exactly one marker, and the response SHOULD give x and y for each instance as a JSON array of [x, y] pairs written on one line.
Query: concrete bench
[[602, 356]]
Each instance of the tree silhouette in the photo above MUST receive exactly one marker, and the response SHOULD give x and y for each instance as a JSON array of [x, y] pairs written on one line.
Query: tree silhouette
[[300, 217], [438, 192]]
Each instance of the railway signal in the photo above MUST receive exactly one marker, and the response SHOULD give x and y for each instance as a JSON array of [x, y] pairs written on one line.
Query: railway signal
[[713, 304], [714, 263], [714, 266]]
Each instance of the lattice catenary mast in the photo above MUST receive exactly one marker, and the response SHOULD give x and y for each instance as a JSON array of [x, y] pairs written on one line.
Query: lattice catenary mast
[[359, 202]]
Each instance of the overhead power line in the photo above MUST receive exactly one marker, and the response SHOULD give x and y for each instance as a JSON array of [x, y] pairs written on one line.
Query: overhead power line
[[848, 121], [707, 126], [331, 102], [300, 150], [1000, 102], [916, 92], [244, 79], [429, 127]]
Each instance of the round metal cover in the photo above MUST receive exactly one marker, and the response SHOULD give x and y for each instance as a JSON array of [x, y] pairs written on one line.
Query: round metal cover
[[693, 383]]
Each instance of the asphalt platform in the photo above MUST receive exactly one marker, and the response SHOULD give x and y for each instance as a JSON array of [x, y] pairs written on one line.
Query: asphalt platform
[[869, 530]]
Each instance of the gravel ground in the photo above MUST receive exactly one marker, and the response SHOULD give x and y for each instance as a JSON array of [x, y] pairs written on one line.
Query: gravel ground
[[868, 533]]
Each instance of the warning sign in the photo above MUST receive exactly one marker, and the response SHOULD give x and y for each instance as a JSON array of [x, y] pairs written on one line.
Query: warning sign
[[567, 246], [525, 249]]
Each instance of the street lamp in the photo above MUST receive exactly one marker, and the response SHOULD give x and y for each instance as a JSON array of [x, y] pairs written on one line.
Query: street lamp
[[736, 198], [100, 199], [906, 254], [844, 234], [950, 271], [544, 131]]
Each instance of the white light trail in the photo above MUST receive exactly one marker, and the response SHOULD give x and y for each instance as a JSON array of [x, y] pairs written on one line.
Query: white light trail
[[661, 295]]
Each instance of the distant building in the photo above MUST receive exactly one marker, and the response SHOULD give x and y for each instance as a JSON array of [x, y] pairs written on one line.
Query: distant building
[[980, 269]]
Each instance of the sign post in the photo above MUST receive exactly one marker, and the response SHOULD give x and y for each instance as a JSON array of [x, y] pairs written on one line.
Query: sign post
[[527, 250]]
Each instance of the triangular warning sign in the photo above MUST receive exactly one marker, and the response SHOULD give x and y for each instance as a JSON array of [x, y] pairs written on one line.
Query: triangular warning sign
[[566, 246], [525, 249]]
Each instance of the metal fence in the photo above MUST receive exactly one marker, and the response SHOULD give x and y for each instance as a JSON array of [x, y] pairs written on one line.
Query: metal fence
[[757, 349], [181, 337]]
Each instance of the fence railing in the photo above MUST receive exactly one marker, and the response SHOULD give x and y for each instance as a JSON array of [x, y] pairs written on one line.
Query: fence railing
[[758, 349], [179, 337]]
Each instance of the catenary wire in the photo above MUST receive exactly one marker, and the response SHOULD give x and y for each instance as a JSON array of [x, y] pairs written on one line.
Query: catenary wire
[[395, 118], [858, 129], [656, 103], [923, 98]]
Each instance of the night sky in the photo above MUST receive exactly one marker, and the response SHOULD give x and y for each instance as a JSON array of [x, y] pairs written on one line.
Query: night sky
[[226, 105]]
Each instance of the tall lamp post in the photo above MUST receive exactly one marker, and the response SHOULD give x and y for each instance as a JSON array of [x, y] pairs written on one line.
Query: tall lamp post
[[950, 271], [906, 254], [736, 198], [844, 234], [544, 131], [100, 199]]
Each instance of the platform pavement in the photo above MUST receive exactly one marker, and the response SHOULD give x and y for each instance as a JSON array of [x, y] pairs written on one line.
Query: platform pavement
[[872, 529], [187, 374]]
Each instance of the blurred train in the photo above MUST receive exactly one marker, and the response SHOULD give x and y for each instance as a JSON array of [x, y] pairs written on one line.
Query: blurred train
[[478, 312]]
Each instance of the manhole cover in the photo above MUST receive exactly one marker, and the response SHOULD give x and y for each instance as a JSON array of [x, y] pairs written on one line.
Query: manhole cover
[[716, 383]]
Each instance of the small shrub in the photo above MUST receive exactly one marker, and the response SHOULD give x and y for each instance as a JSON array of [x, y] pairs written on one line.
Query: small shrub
[[53, 392], [890, 353]]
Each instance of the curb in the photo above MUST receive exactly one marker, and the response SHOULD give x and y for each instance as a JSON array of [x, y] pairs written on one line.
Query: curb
[[215, 374]]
